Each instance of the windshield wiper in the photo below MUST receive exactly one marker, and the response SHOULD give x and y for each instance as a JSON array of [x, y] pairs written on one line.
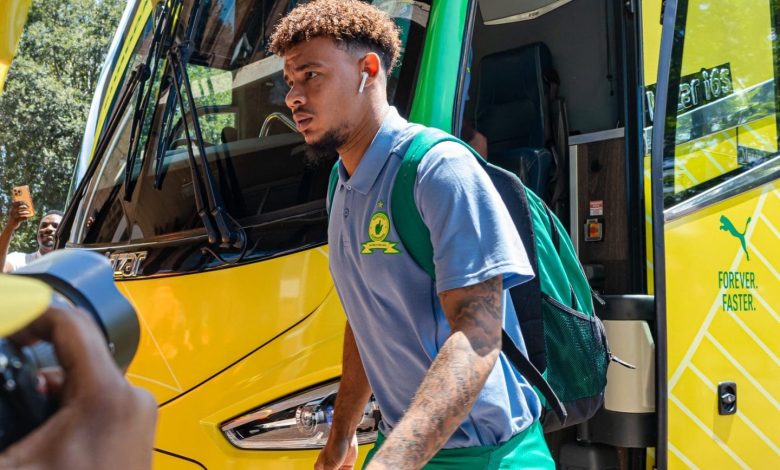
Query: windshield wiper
[[162, 30], [197, 181], [230, 233], [139, 74], [167, 119], [170, 105], [221, 229]]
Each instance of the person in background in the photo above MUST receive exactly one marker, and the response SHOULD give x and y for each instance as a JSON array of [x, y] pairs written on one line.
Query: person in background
[[475, 139], [468, 132], [47, 229]]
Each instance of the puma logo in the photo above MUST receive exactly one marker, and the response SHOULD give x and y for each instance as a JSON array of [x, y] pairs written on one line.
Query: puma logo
[[727, 226]]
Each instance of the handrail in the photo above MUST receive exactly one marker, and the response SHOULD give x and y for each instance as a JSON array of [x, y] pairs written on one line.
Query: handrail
[[279, 116]]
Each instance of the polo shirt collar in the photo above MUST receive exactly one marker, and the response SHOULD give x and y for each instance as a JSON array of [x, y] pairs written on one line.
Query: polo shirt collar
[[377, 153]]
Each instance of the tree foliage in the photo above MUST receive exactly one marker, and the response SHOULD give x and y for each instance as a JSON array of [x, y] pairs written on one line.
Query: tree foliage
[[44, 107]]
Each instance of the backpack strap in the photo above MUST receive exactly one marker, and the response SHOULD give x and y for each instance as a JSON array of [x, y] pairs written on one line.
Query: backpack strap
[[416, 238], [334, 180], [532, 375], [407, 220]]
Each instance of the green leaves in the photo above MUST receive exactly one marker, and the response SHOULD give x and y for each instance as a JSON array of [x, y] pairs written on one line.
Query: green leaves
[[44, 106]]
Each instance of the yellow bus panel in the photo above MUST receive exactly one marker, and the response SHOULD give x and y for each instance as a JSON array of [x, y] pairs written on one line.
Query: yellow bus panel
[[723, 289]]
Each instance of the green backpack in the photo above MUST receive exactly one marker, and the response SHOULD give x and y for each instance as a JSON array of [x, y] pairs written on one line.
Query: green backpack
[[566, 343]]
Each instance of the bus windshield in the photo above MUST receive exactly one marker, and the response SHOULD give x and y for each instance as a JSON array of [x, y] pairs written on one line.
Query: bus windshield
[[259, 161]]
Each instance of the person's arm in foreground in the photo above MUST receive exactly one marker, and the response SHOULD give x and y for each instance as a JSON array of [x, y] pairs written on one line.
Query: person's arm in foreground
[[102, 421], [18, 214], [452, 384], [340, 451]]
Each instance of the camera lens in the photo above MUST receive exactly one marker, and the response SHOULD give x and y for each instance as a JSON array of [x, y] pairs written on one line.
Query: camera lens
[[86, 280]]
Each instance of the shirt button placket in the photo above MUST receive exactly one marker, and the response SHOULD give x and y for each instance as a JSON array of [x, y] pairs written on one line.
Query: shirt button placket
[[348, 199], [347, 203]]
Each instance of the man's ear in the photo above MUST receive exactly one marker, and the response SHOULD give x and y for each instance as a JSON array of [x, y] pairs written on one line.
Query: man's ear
[[371, 64]]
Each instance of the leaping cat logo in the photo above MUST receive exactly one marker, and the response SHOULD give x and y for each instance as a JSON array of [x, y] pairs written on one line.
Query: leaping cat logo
[[727, 226]]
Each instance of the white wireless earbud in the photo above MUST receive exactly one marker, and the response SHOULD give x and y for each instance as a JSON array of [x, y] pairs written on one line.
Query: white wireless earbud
[[363, 82]]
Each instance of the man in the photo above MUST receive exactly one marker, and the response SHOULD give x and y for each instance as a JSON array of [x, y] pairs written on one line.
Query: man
[[102, 420], [429, 351], [475, 139], [47, 229]]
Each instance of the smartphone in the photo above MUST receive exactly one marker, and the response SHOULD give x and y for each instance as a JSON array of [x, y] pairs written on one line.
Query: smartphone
[[22, 194]]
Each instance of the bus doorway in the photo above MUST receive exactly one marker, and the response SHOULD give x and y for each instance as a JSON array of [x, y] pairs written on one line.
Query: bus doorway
[[568, 82], [555, 97]]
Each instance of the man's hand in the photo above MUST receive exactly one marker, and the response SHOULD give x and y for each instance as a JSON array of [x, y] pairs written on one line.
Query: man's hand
[[19, 213], [341, 450], [453, 382], [102, 421], [338, 454]]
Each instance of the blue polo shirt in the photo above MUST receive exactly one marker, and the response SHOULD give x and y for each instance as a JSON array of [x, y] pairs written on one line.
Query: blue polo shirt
[[392, 305]]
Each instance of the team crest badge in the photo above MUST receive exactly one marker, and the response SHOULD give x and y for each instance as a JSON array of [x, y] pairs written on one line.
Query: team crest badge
[[378, 230]]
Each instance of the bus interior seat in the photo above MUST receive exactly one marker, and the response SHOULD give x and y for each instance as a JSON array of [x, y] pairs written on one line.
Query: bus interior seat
[[515, 97], [229, 134]]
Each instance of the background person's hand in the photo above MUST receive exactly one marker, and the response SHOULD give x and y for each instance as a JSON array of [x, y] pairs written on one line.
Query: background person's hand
[[18, 214], [338, 455], [102, 421]]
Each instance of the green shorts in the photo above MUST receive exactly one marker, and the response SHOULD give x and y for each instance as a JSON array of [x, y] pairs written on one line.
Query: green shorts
[[525, 450]]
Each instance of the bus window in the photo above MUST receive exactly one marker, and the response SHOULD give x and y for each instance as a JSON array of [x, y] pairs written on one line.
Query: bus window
[[723, 74], [268, 179]]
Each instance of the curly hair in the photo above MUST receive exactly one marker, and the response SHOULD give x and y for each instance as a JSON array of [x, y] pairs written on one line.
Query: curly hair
[[353, 23]]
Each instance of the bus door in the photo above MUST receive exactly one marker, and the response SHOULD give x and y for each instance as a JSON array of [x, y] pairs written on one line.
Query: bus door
[[716, 200]]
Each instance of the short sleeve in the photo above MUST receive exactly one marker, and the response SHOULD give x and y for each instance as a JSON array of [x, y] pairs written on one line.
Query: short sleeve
[[473, 236]]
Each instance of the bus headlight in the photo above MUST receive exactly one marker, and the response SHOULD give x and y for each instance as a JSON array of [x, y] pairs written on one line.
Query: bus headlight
[[302, 421]]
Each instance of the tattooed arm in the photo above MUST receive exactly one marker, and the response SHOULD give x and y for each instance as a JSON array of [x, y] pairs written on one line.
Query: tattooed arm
[[451, 385], [340, 451]]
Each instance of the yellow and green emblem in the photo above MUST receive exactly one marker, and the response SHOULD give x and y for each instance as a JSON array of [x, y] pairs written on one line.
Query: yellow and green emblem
[[378, 230]]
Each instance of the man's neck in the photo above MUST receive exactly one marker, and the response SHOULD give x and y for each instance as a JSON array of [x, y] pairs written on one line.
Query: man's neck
[[352, 152]]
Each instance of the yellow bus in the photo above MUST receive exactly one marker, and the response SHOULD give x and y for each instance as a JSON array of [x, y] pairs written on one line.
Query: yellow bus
[[651, 127]]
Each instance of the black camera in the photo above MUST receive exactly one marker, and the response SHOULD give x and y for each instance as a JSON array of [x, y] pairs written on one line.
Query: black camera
[[79, 278]]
